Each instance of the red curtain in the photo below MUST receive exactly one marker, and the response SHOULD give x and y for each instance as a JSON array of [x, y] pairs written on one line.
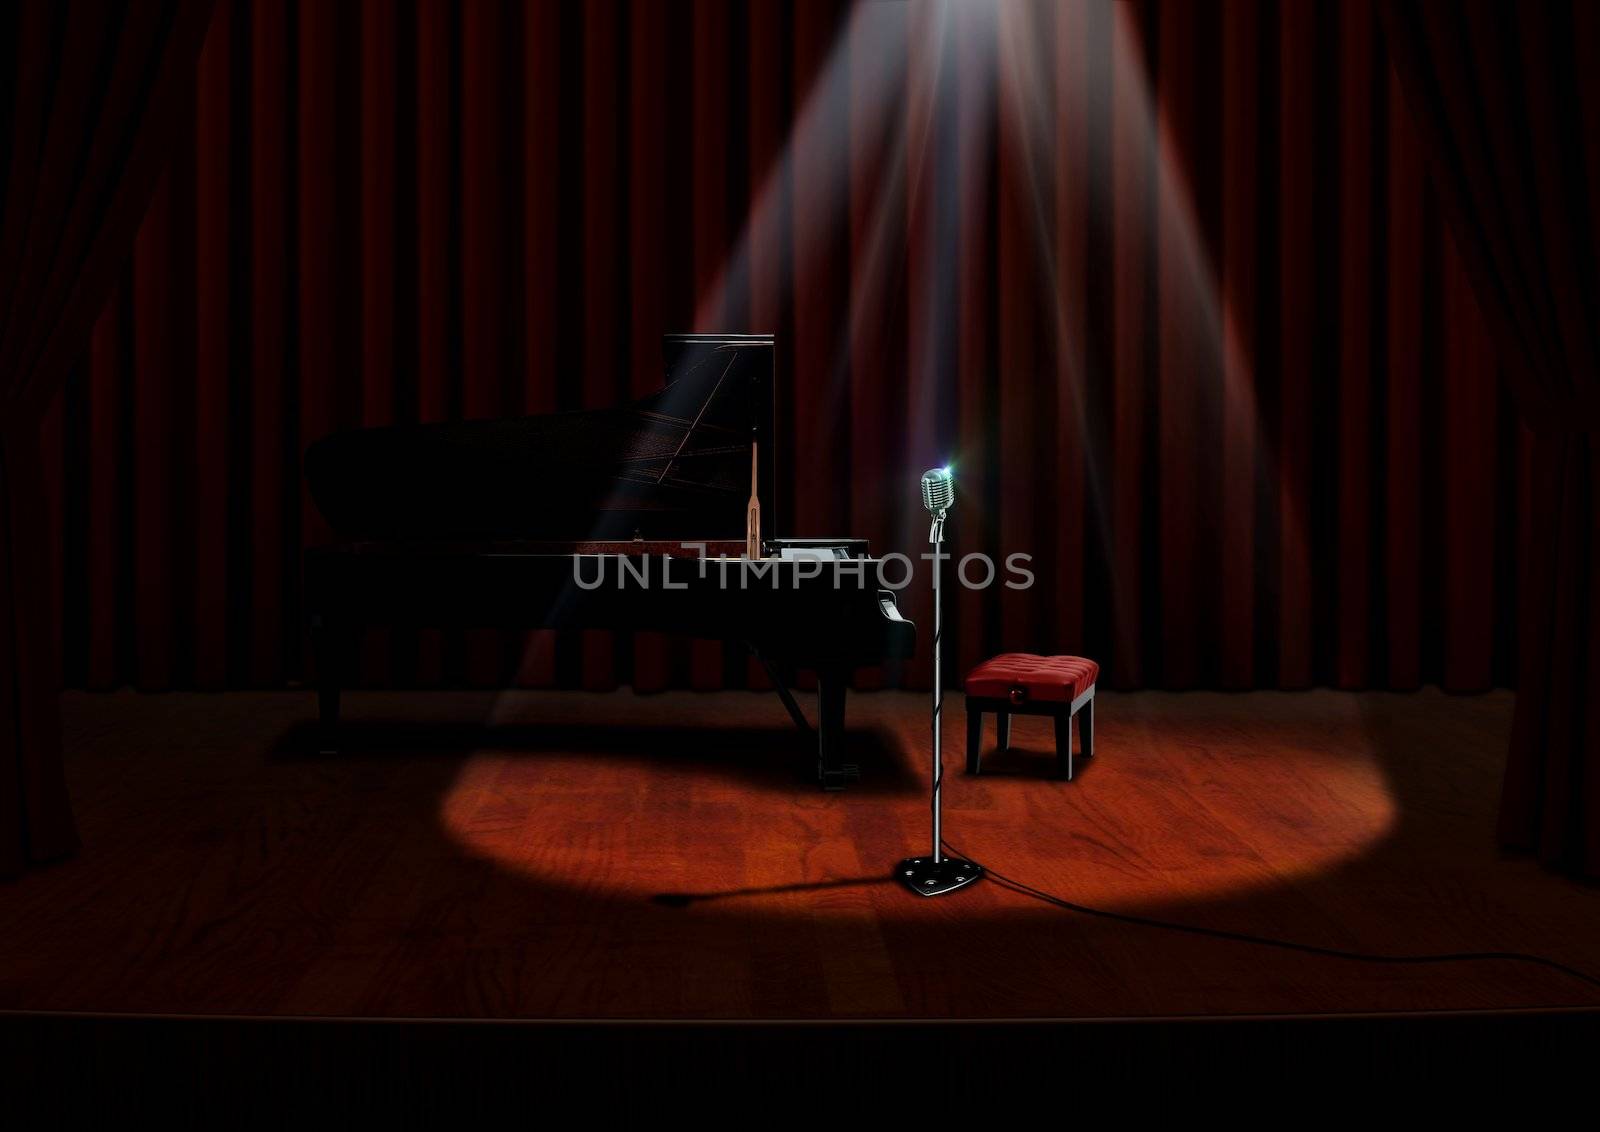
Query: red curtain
[[1507, 101], [1167, 283], [90, 94]]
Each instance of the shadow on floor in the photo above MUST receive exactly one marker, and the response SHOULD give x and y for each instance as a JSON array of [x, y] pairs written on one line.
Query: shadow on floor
[[775, 758]]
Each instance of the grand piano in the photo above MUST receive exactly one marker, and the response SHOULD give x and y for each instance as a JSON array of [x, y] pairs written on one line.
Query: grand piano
[[628, 518]]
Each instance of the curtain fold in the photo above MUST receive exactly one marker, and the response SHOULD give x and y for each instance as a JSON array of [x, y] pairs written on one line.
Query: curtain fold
[[93, 95], [1506, 101]]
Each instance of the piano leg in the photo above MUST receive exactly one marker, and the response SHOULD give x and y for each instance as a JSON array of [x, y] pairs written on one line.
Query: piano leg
[[330, 648], [781, 686], [832, 771]]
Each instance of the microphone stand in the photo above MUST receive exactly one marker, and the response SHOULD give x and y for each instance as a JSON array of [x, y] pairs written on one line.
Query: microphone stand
[[937, 874]]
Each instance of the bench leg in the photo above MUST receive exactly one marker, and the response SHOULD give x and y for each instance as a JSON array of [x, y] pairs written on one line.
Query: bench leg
[[974, 740], [1064, 745], [1002, 729], [1086, 728]]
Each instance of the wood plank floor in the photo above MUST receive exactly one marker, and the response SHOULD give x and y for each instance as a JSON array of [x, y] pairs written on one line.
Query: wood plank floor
[[577, 855]]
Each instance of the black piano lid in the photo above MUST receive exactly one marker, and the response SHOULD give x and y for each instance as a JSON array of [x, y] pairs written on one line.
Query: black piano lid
[[674, 464], [720, 388]]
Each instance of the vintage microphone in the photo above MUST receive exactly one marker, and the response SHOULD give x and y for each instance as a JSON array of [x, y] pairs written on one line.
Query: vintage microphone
[[937, 874]]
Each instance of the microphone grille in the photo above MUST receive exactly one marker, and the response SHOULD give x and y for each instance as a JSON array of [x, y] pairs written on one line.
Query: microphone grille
[[938, 490]]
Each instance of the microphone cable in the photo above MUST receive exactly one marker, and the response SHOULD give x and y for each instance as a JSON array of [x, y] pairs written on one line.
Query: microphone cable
[[1027, 890]]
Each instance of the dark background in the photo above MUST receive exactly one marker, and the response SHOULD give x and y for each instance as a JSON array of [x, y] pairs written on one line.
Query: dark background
[[1166, 280]]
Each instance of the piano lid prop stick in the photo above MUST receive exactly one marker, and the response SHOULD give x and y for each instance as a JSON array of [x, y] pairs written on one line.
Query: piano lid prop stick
[[752, 524]]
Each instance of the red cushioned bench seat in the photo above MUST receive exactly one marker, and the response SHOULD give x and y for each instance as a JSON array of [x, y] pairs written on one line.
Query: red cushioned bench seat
[[1024, 683]]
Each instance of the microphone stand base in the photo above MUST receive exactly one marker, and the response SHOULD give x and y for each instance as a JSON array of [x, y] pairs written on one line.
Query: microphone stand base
[[925, 878]]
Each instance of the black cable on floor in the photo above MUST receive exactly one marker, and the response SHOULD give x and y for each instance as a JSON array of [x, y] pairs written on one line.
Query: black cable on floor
[[1267, 941]]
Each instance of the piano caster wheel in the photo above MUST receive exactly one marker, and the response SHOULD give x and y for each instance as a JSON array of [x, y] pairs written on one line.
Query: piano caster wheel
[[839, 779]]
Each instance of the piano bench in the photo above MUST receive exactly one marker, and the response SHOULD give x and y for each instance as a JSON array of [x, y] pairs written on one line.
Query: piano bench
[[1023, 683]]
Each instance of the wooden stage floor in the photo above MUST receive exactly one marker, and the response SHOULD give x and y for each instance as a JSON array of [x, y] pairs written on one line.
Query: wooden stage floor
[[569, 855]]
